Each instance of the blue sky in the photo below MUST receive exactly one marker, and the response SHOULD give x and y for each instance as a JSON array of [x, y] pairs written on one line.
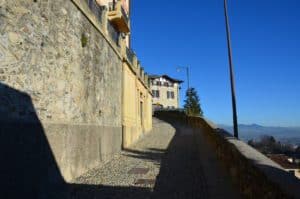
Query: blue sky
[[266, 54]]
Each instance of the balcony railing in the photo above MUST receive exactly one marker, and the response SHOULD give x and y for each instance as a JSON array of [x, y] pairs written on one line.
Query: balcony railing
[[114, 6], [96, 9], [118, 16], [124, 14], [99, 12], [112, 32], [141, 72], [130, 55]]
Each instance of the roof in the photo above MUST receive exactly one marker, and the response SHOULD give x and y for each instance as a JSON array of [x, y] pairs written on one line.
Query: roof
[[166, 77]]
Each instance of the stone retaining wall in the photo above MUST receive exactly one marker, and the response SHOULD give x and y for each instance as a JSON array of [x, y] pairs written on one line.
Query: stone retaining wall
[[59, 87]]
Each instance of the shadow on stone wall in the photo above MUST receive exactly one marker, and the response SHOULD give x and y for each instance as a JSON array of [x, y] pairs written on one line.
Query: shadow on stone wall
[[27, 166]]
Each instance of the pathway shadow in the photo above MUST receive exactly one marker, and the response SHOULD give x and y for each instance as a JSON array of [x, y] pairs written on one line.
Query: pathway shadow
[[153, 155], [181, 174], [108, 192]]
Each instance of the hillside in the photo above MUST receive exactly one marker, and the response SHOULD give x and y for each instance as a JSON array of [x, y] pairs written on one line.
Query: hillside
[[254, 131]]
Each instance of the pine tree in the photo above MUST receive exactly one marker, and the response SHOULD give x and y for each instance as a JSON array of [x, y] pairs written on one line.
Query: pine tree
[[192, 103]]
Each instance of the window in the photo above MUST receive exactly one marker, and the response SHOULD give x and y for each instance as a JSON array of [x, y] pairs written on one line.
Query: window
[[170, 95], [141, 112], [158, 83], [155, 93], [166, 84]]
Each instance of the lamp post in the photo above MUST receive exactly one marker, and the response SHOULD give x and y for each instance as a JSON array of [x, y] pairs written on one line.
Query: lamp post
[[232, 81], [179, 68], [187, 74]]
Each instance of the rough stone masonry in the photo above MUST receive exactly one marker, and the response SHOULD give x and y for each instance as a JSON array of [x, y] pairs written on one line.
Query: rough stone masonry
[[60, 93]]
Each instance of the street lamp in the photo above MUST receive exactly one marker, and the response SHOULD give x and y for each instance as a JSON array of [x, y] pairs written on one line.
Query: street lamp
[[232, 82], [179, 68], [187, 69]]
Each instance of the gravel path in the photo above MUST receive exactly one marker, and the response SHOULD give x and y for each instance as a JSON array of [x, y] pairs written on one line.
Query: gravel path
[[170, 162]]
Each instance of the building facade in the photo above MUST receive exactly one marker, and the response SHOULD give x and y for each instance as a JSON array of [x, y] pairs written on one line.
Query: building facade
[[165, 91]]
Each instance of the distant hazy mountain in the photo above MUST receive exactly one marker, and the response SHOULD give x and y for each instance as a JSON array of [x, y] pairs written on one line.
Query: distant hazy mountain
[[254, 131]]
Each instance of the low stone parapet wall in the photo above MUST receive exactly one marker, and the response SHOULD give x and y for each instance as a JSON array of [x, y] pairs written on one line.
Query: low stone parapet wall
[[254, 175]]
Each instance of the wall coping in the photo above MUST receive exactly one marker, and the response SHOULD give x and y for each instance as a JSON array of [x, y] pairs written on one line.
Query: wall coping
[[130, 66], [273, 171]]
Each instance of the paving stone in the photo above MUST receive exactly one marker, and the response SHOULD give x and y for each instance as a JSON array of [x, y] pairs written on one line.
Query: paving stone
[[145, 182], [138, 171]]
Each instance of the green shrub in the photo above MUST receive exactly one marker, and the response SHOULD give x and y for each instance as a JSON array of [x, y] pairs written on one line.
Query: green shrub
[[84, 40]]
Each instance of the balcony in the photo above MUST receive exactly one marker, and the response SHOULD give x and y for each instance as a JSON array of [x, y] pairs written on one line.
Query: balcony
[[118, 17], [130, 55], [96, 9]]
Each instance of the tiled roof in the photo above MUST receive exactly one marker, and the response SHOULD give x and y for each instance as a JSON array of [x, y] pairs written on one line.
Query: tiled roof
[[166, 77]]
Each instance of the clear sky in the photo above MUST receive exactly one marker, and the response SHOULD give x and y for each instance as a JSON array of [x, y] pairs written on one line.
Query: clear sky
[[266, 54]]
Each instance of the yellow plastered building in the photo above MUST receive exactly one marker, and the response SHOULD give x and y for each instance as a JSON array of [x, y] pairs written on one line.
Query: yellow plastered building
[[165, 91], [136, 94], [137, 104]]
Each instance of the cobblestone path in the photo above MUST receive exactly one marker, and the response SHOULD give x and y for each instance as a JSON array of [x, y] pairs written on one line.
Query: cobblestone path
[[169, 162]]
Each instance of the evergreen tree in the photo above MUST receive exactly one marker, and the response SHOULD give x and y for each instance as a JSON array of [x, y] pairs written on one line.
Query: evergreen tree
[[298, 150], [192, 103]]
